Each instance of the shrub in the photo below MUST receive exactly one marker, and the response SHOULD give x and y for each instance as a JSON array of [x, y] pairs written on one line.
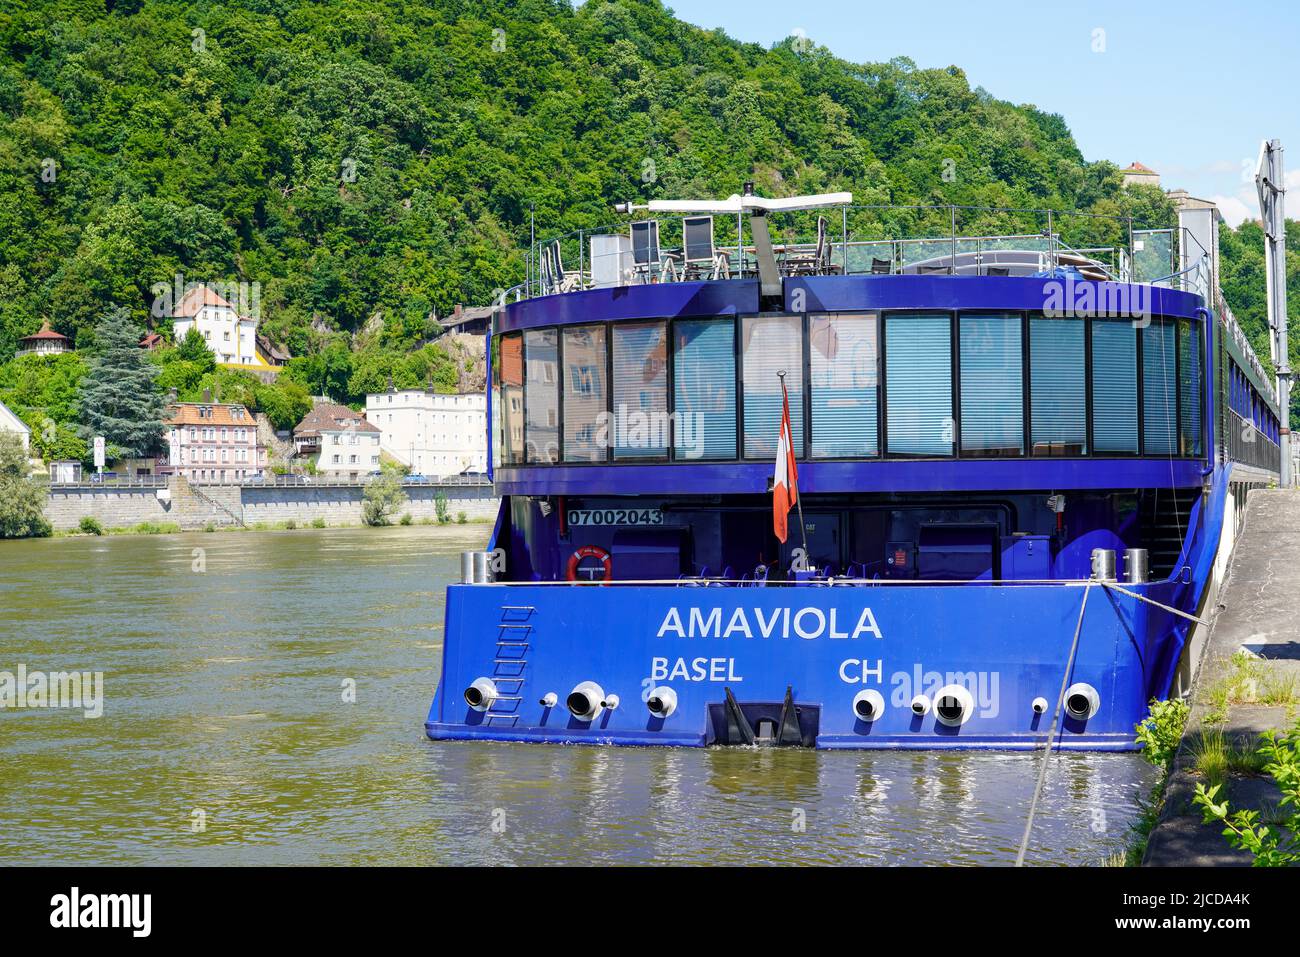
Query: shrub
[[406, 519], [89, 525], [22, 497], [1276, 843], [382, 498], [461, 518], [318, 522], [440, 508], [290, 524]]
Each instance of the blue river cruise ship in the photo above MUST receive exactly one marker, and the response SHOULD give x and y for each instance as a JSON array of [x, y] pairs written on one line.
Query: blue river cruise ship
[[1020, 462]]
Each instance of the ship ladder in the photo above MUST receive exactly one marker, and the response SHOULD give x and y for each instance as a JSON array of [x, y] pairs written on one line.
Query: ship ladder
[[509, 662]]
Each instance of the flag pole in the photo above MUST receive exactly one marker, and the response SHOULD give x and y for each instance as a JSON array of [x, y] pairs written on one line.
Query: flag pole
[[798, 499]]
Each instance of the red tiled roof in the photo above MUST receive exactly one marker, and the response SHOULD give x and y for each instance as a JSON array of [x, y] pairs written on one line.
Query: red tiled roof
[[1139, 168], [195, 299], [46, 333], [187, 413], [330, 417]]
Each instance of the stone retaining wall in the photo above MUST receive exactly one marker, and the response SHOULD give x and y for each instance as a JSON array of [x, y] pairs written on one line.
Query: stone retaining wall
[[193, 507]]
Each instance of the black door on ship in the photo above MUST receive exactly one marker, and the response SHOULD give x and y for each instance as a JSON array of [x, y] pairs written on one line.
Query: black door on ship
[[823, 532]]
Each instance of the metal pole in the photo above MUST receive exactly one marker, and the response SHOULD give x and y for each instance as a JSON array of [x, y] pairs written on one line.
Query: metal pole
[[1269, 180], [844, 234], [532, 244], [798, 499], [740, 245], [582, 262], [1051, 246], [952, 213]]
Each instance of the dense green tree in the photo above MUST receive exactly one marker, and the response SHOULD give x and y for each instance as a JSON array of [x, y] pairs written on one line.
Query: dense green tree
[[194, 350], [22, 497], [119, 397]]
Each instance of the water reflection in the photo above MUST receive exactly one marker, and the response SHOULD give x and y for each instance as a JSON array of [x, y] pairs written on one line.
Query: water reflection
[[224, 694]]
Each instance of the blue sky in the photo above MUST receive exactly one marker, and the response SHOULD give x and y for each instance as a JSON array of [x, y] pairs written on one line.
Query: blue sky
[[1176, 86]]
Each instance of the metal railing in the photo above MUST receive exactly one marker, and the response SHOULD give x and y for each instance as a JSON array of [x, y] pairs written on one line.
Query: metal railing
[[882, 240], [1249, 446]]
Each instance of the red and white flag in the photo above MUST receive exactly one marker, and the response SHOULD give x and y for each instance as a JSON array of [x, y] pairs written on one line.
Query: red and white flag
[[785, 481]]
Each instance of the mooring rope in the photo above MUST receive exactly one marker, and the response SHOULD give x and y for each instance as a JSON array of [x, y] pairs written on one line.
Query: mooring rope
[[1152, 601], [1060, 698]]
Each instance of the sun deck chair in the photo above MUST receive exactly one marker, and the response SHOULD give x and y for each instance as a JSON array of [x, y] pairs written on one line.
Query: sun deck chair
[[563, 281], [819, 262], [881, 267], [700, 260], [648, 261]]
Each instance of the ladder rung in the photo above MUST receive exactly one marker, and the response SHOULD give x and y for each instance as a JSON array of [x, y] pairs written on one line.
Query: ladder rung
[[509, 661], [518, 608], [516, 627], [513, 644]]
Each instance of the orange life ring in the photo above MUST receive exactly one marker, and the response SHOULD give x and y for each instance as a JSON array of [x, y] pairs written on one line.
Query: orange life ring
[[589, 551]]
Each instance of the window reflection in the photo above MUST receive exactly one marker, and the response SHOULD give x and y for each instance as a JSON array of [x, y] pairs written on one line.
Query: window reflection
[[585, 426], [771, 344], [542, 404], [639, 424], [704, 389], [845, 388]]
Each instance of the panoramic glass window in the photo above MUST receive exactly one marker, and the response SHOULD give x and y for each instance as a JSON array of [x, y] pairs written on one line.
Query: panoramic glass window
[[992, 385], [845, 386], [1159, 389], [918, 384], [585, 425], [541, 398], [510, 367], [771, 344], [639, 425], [1114, 386], [1189, 384], [1057, 395], [704, 389]]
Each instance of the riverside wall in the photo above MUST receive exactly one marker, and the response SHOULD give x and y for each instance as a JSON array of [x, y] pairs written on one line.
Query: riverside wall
[[197, 506]]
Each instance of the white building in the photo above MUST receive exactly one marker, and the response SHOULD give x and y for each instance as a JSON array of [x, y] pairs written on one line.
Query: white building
[[9, 422], [341, 442], [231, 337], [432, 434]]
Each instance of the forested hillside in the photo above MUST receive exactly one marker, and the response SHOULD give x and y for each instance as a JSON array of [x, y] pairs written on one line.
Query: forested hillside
[[371, 163]]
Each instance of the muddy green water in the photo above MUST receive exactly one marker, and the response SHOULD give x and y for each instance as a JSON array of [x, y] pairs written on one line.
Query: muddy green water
[[224, 680]]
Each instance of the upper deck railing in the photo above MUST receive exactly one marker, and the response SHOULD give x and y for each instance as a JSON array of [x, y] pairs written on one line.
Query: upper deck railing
[[870, 240]]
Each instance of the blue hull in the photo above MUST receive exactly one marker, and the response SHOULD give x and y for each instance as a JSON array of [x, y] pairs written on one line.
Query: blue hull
[[1006, 644]]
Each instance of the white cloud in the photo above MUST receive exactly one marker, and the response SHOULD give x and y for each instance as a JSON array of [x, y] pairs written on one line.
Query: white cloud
[[1237, 209]]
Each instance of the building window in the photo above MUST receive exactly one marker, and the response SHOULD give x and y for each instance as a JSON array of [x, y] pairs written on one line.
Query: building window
[[585, 428], [1114, 386], [704, 388], [1058, 404], [845, 385], [639, 425], [918, 384]]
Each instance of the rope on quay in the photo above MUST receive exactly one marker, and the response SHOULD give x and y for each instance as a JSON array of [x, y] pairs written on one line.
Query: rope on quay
[[1060, 698]]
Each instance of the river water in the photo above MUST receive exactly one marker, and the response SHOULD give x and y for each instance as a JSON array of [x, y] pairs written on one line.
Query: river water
[[228, 735]]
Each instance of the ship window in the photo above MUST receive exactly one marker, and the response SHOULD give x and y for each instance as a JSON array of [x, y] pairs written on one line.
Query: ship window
[[1159, 385], [772, 344], [541, 400], [992, 385], [585, 426], [1114, 386], [639, 425], [511, 369], [844, 350], [1189, 383], [918, 384], [704, 389], [1058, 413]]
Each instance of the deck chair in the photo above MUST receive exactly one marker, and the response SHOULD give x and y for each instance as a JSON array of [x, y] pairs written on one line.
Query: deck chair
[[819, 262], [997, 271], [563, 281], [881, 267], [647, 263], [699, 258]]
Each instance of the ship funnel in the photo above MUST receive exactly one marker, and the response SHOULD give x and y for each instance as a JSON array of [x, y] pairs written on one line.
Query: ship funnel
[[1082, 701], [586, 701], [481, 694]]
